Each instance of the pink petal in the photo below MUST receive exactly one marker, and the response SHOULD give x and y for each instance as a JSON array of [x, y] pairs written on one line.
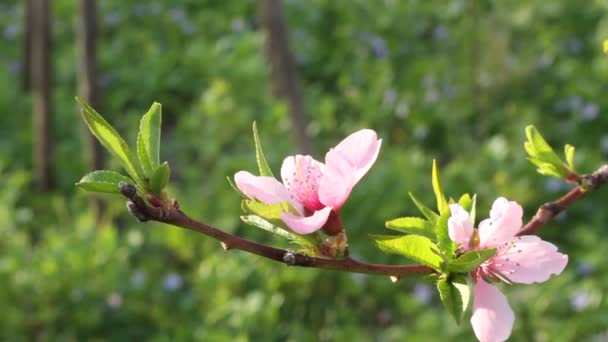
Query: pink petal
[[492, 318], [306, 224], [460, 227], [264, 189], [530, 260], [339, 178], [301, 175], [504, 222], [360, 149]]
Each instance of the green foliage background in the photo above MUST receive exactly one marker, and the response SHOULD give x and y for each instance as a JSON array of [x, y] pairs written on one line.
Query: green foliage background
[[457, 81]]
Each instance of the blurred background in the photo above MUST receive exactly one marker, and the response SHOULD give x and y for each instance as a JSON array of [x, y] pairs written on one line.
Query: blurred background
[[453, 80]]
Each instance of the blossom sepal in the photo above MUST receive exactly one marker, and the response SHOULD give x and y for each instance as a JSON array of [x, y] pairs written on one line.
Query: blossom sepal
[[308, 243], [469, 261]]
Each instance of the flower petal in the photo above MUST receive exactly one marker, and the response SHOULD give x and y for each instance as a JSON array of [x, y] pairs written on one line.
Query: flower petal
[[264, 189], [460, 227], [346, 164], [530, 260], [492, 318], [306, 224], [339, 178], [504, 222], [301, 175], [360, 149]]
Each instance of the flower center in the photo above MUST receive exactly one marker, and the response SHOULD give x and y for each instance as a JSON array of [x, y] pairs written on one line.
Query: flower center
[[502, 264], [304, 182]]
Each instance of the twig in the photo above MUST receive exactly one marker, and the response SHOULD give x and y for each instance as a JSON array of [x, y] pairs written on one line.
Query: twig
[[176, 217], [548, 211]]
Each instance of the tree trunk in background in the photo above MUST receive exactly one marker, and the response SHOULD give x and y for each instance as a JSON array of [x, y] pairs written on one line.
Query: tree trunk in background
[[283, 73], [41, 86], [26, 47], [86, 35]]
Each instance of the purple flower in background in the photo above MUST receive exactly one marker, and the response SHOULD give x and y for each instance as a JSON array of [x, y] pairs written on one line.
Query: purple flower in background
[[580, 300], [172, 281], [423, 293]]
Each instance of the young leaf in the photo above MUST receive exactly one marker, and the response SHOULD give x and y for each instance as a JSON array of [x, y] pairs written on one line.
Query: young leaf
[[259, 154], [442, 203], [160, 178], [111, 140], [302, 240], [412, 225], [428, 213], [469, 204], [443, 238], [415, 247], [269, 212], [234, 187], [569, 152], [103, 181], [542, 155], [470, 260], [148, 139], [455, 295], [465, 202]]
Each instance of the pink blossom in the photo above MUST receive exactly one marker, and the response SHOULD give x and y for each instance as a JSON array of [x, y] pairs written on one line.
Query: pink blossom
[[518, 259], [314, 189]]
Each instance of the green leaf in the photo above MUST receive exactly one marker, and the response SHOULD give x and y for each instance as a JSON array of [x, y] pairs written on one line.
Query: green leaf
[[542, 155], [442, 203], [415, 247], [302, 240], [259, 154], [233, 186], [428, 213], [468, 204], [103, 181], [470, 260], [270, 212], [465, 201], [148, 139], [412, 225], [160, 179], [455, 295], [112, 141], [443, 237], [569, 152]]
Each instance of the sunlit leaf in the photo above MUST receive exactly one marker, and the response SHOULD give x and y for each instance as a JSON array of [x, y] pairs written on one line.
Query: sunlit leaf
[[428, 213], [469, 204], [412, 225], [112, 141], [470, 260], [455, 295], [443, 237], [160, 178], [259, 154], [542, 155], [149, 137], [569, 152], [415, 247], [302, 240], [103, 181], [442, 203]]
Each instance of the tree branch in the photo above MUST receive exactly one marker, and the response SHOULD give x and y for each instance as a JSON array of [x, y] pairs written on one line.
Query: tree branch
[[174, 216], [548, 211]]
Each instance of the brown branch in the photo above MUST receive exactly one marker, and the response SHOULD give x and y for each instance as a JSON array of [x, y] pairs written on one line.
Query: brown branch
[[174, 216], [548, 211]]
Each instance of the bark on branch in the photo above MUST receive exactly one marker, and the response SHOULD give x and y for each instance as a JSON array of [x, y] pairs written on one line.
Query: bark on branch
[[174, 216]]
